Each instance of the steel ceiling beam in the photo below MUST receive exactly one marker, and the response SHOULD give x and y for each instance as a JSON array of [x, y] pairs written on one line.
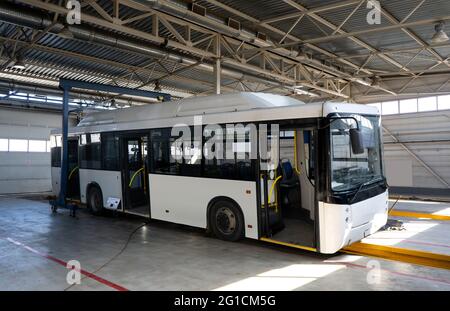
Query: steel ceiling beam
[[411, 34], [273, 29], [324, 8], [129, 68], [159, 40]]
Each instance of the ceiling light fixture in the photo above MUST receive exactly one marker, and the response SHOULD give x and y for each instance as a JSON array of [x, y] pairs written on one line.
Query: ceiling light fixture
[[304, 92], [19, 64], [66, 33], [440, 35], [157, 86]]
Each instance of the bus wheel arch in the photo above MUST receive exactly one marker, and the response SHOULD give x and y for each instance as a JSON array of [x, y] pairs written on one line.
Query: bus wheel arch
[[225, 219], [94, 198]]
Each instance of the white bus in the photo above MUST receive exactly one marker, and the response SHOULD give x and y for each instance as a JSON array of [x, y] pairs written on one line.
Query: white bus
[[326, 191]]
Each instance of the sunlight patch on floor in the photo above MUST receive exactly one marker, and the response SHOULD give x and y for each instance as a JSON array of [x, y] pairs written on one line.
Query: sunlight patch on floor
[[287, 278], [344, 258], [443, 212], [391, 238]]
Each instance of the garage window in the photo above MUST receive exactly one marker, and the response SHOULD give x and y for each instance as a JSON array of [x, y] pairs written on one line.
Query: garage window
[[18, 145], [444, 102], [408, 105], [390, 107], [3, 144], [37, 146], [427, 104]]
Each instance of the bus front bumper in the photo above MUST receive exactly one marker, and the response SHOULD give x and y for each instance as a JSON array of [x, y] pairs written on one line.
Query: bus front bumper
[[341, 225]]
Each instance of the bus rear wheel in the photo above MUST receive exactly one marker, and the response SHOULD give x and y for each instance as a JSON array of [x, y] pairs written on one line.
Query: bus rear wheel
[[95, 201], [226, 221]]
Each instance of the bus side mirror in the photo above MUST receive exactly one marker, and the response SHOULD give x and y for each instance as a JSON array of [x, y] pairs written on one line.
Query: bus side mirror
[[356, 139]]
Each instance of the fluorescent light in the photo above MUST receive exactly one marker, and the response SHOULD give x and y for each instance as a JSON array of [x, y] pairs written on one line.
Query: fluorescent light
[[304, 92], [19, 64]]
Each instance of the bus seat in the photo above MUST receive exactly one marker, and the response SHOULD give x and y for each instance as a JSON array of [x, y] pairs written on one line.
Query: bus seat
[[289, 179], [289, 186]]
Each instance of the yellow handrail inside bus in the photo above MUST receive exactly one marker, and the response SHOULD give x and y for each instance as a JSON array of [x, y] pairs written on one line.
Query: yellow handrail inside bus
[[71, 172], [134, 175], [272, 188]]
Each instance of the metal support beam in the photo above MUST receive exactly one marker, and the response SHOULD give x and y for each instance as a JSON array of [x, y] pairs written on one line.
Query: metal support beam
[[66, 83], [64, 150], [217, 68]]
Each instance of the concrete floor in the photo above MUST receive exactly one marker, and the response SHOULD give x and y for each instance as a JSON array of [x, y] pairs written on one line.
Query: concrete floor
[[34, 246], [419, 234]]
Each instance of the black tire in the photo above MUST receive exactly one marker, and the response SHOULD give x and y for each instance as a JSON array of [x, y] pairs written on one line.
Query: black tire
[[95, 201], [226, 221]]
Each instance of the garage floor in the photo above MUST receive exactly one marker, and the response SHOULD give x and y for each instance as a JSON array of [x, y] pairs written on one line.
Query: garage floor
[[418, 234], [35, 246]]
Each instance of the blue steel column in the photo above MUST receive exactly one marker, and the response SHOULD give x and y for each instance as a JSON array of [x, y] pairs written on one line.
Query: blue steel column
[[64, 150]]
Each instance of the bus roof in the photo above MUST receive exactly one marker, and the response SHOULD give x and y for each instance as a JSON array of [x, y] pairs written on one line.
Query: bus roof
[[215, 109]]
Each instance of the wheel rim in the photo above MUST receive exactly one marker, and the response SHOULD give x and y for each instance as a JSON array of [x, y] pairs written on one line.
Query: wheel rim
[[95, 200], [225, 220]]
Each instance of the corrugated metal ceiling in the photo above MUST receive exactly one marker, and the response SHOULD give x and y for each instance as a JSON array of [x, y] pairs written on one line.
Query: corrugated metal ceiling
[[195, 80]]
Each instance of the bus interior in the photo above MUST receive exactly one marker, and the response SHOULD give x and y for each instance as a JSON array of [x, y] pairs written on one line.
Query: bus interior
[[135, 175], [292, 189]]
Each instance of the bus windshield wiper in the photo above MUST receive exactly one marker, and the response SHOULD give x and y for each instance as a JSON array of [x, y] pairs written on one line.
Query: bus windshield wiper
[[364, 184]]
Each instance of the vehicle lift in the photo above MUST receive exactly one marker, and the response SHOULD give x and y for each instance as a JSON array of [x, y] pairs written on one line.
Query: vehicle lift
[[66, 85]]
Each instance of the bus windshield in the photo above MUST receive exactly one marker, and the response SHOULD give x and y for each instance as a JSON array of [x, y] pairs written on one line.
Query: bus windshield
[[350, 170]]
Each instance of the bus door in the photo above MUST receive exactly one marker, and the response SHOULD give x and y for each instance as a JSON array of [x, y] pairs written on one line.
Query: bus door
[[73, 177], [270, 213], [135, 176], [288, 191]]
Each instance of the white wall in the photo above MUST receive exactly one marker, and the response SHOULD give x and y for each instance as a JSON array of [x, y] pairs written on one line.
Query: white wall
[[401, 168], [22, 172]]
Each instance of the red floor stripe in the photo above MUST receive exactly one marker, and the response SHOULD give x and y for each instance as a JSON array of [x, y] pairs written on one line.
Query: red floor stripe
[[63, 263]]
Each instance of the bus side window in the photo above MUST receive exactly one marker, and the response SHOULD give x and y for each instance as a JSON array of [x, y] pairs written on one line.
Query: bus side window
[[55, 151], [90, 155], [162, 161], [110, 151], [191, 163], [239, 166]]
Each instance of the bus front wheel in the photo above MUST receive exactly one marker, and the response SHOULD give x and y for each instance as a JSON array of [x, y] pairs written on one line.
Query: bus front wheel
[[95, 201], [226, 221]]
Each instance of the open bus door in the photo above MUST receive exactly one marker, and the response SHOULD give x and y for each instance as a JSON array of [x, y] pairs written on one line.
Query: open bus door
[[288, 204], [135, 175]]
